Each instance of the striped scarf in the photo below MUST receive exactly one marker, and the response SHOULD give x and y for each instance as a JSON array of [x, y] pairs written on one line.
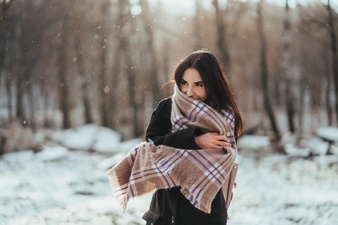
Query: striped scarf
[[199, 173]]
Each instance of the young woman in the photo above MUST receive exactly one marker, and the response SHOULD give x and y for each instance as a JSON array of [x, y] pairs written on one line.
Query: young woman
[[199, 76]]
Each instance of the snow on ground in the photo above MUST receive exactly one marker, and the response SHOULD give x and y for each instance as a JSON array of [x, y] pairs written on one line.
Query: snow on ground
[[58, 186]]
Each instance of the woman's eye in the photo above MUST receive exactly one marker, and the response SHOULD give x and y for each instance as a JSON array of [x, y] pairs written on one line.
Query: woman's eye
[[200, 85], [183, 82]]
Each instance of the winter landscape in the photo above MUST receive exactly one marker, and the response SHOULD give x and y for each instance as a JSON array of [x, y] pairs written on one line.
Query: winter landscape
[[79, 80], [65, 182]]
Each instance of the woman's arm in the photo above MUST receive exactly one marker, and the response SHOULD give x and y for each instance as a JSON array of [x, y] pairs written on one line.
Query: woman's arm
[[159, 129]]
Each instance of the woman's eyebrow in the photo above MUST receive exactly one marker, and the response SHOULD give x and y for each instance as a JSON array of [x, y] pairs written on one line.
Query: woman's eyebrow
[[199, 82]]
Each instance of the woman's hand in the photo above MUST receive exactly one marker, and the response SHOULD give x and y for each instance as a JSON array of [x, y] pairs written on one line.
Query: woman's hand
[[212, 141]]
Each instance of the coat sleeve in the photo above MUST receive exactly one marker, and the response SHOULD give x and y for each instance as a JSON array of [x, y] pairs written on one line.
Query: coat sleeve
[[159, 129]]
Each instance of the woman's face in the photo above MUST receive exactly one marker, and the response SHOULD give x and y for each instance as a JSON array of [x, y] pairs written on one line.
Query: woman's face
[[192, 85]]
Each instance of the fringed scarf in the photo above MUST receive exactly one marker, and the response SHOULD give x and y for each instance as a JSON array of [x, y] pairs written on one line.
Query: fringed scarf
[[200, 173]]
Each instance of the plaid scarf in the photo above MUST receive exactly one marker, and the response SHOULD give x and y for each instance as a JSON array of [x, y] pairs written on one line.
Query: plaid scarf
[[200, 173]]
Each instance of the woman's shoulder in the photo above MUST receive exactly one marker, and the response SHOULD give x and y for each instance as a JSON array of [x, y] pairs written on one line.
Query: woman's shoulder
[[164, 105], [161, 114]]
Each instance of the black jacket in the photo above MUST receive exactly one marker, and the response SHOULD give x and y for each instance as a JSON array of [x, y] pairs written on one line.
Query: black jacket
[[169, 206]]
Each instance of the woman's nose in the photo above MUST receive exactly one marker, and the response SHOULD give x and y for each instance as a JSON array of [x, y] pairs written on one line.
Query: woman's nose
[[190, 92]]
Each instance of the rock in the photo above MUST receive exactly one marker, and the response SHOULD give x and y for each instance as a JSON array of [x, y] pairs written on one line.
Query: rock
[[17, 137]]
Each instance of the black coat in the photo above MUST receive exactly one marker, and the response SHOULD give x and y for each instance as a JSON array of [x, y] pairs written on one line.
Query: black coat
[[169, 206]]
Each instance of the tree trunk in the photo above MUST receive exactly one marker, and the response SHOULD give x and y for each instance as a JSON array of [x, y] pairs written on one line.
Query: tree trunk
[[328, 86], [302, 85], [264, 72], [19, 100], [8, 84], [105, 87], [331, 29], [287, 70], [4, 7], [124, 22], [221, 38], [148, 26], [47, 123], [197, 26], [62, 75], [84, 85], [32, 108]]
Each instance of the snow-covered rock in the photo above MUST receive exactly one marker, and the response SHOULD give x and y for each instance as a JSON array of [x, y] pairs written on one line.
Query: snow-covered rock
[[295, 151], [334, 149], [288, 137], [88, 137], [318, 146], [106, 140], [328, 133]]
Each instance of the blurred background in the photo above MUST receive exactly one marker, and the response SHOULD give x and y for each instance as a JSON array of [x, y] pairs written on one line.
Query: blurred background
[[86, 75], [68, 63]]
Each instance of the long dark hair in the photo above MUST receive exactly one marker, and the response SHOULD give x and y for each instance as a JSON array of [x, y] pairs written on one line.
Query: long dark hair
[[219, 93]]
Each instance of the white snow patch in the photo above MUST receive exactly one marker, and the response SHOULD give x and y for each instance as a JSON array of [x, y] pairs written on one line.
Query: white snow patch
[[127, 146], [253, 142], [25, 155], [111, 161], [50, 153]]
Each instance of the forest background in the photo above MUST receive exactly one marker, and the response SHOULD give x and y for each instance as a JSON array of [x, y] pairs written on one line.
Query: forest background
[[104, 62]]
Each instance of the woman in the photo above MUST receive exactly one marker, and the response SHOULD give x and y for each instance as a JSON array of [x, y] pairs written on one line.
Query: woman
[[200, 77]]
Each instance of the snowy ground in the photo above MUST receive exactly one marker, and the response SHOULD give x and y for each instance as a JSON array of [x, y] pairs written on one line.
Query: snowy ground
[[62, 186]]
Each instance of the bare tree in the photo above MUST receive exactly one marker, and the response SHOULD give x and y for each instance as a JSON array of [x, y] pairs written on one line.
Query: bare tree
[[287, 68], [64, 91], [197, 25], [84, 86], [124, 23], [149, 36], [313, 32], [264, 71], [105, 90], [333, 39], [328, 85], [222, 42], [5, 6]]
